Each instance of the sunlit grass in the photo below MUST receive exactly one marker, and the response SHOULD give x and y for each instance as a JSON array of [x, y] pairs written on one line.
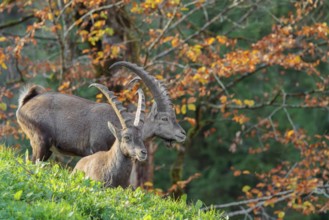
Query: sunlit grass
[[47, 191]]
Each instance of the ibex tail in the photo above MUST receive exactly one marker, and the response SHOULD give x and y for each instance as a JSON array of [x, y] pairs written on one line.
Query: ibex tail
[[28, 93]]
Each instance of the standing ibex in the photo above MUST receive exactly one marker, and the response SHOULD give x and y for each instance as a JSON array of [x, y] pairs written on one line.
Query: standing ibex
[[114, 166], [77, 126]]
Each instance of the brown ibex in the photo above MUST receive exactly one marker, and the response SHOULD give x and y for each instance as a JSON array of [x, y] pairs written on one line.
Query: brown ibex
[[113, 167], [77, 126]]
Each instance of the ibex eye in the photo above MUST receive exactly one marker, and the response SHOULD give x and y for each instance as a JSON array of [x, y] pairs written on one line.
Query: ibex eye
[[126, 138], [164, 119]]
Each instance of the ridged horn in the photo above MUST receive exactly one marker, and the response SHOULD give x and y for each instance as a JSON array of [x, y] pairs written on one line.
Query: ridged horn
[[140, 112], [120, 111], [160, 93]]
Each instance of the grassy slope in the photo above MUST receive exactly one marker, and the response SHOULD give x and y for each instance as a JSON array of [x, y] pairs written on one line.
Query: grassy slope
[[46, 191]]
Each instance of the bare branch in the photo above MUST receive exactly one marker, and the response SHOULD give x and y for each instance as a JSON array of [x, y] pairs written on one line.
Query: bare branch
[[262, 105], [260, 204], [35, 37], [273, 128], [60, 41], [244, 202], [63, 10], [272, 103], [244, 17], [284, 195], [221, 84], [243, 76], [186, 16], [17, 22], [21, 79], [164, 30], [290, 120]]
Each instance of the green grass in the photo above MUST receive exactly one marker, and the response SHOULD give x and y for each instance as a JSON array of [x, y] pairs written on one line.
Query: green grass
[[47, 191]]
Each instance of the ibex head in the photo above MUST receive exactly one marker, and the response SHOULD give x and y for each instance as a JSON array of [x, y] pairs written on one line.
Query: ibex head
[[130, 140], [162, 114], [166, 125], [130, 135]]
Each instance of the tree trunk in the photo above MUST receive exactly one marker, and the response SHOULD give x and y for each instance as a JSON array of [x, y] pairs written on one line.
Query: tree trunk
[[144, 172]]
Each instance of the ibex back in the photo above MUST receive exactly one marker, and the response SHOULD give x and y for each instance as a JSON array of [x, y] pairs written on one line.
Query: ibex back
[[73, 125]]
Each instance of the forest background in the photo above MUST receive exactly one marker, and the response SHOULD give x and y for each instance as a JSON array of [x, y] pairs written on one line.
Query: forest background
[[248, 79]]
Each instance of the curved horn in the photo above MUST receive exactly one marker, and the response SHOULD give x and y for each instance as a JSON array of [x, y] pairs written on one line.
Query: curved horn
[[140, 112], [158, 90], [117, 106]]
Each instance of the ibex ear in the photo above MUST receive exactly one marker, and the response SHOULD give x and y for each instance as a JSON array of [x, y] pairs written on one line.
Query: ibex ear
[[113, 129], [154, 111]]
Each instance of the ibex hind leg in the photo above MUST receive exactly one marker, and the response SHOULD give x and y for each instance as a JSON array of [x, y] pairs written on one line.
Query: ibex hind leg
[[41, 150]]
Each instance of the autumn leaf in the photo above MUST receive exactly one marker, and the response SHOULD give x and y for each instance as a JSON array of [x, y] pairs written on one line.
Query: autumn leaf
[[183, 109], [241, 119], [290, 133], [237, 173], [178, 109], [12, 106], [137, 8], [270, 201], [148, 184], [199, 78], [167, 39], [246, 172], [223, 99], [65, 85], [260, 185], [280, 214], [246, 188], [175, 42], [84, 34], [190, 120], [248, 102], [3, 106], [99, 24], [4, 66], [2, 60], [210, 41], [191, 107], [237, 102], [194, 52], [115, 51], [221, 39], [99, 96], [109, 31], [152, 3], [172, 2], [50, 16], [159, 77]]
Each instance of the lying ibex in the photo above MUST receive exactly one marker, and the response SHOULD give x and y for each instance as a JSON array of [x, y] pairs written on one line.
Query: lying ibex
[[113, 167], [77, 126]]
